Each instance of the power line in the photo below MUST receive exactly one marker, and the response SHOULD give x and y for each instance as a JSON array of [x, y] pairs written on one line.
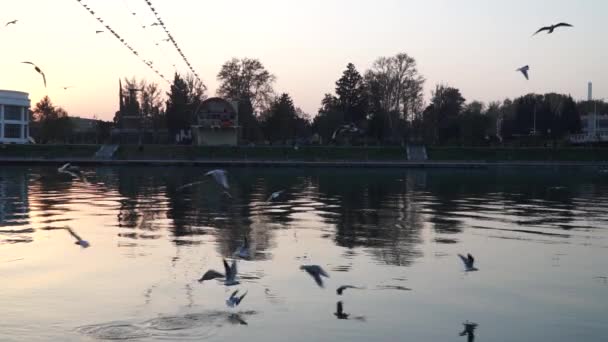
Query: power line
[[143, 27], [162, 24], [122, 40]]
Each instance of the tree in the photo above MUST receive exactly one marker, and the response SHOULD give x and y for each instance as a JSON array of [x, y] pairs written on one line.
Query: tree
[[328, 119], [184, 98], [351, 95], [246, 79], [395, 90], [248, 82], [280, 121], [440, 117], [53, 122]]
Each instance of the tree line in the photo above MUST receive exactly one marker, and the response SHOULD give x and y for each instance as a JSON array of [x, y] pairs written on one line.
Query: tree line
[[383, 105]]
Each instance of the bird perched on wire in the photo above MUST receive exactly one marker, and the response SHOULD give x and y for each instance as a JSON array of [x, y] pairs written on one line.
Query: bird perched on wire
[[12, 22], [552, 28], [524, 70], [38, 70]]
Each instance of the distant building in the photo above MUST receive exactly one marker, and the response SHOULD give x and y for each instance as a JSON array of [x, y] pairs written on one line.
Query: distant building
[[14, 117], [217, 123], [594, 129]]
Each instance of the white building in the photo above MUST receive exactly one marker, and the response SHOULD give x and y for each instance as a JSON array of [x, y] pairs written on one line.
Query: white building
[[594, 127], [14, 118]]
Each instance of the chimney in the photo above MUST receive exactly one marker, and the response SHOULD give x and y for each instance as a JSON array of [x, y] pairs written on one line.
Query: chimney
[[590, 91]]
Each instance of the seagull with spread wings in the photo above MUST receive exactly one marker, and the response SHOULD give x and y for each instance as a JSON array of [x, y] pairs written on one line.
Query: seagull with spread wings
[[12, 22], [552, 28], [38, 70]]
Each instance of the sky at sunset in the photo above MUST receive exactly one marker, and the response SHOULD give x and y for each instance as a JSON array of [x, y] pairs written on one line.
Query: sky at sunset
[[474, 45]]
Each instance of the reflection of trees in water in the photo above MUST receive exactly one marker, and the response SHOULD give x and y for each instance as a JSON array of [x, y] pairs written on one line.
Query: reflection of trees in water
[[376, 210], [534, 197], [14, 205]]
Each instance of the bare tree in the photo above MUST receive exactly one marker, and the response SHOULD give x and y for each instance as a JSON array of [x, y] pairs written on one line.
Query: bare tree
[[247, 80]]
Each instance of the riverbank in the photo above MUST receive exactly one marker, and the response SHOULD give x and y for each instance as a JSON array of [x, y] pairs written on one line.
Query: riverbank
[[309, 156]]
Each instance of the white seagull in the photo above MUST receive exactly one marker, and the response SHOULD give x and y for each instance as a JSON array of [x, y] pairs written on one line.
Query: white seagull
[[524, 70], [275, 195], [234, 299], [315, 272], [220, 176], [469, 262], [230, 272]]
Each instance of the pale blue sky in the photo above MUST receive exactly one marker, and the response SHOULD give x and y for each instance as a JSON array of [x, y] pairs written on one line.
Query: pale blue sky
[[474, 45]]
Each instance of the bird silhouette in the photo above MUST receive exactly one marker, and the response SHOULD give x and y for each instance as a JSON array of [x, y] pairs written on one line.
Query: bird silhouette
[[469, 331], [469, 262], [38, 70], [315, 271], [234, 299], [552, 28], [210, 275], [155, 24], [67, 87], [231, 272], [243, 251], [524, 70], [341, 289], [340, 314], [13, 22], [98, 31]]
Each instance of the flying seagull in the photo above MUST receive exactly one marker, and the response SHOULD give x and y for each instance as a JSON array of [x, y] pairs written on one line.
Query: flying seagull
[[82, 243], [315, 272], [469, 262], [524, 70], [98, 31], [67, 87], [67, 167], [469, 331], [243, 251], [551, 28], [220, 178], [38, 70], [340, 314], [231, 272], [210, 275], [275, 195], [14, 22], [155, 24], [234, 299], [341, 289]]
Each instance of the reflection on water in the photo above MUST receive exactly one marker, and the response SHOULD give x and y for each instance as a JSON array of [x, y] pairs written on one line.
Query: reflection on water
[[539, 236]]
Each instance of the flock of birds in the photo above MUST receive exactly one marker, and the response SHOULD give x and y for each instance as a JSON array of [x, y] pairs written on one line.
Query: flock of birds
[[525, 70], [243, 252]]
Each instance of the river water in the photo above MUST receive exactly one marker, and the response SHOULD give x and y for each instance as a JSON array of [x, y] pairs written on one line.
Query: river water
[[539, 237]]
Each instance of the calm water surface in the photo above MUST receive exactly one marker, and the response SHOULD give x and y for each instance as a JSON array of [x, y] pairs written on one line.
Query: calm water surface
[[539, 237]]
